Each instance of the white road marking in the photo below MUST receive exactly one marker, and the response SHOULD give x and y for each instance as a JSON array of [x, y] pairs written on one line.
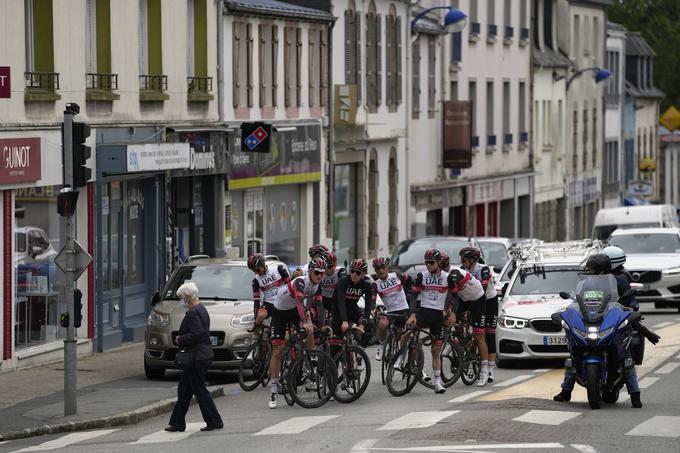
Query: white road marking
[[515, 380], [647, 382], [584, 448], [663, 324], [658, 426], [3, 442], [469, 396], [541, 370], [547, 417], [623, 398], [295, 425], [67, 440], [468, 447], [415, 420], [668, 368], [164, 436], [364, 446]]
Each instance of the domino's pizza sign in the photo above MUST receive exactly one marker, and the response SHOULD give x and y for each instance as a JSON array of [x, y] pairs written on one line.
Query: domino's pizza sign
[[256, 137]]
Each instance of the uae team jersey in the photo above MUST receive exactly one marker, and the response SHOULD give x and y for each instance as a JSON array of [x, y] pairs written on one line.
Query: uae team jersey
[[329, 282], [485, 277], [468, 288], [391, 292], [433, 289], [299, 288], [268, 285]]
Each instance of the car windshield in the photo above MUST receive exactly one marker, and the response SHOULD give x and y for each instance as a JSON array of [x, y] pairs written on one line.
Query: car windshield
[[545, 280], [214, 282], [411, 253], [647, 243], [495, 253], [603, 232], [508, 272]]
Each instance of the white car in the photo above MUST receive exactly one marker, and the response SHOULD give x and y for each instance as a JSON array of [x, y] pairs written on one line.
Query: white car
[[525, 330], [652, 259]]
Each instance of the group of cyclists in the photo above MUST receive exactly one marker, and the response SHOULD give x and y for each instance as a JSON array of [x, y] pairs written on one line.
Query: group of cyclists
[[321, 294]]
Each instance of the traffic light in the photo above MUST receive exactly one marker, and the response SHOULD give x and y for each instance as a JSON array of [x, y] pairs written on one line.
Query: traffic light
[[64, 320], [81, 152], [78, 307]]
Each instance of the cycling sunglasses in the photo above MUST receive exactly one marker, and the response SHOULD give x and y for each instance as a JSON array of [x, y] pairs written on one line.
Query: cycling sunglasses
[[429, 262], [318, 272], [354, 271]]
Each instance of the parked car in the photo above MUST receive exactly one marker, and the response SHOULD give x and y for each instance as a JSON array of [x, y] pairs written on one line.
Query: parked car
[[649, 216], [496, 252], [408, 256], [525, 330], [653, 259], [225, 289]]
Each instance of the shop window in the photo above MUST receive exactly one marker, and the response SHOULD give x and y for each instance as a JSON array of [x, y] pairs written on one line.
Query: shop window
[[134, 241], [39, 300]]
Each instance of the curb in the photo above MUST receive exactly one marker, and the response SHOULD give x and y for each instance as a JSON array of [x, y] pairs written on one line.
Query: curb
[[126, 418]]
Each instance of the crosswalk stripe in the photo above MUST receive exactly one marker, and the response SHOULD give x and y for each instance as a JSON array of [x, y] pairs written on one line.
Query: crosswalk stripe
[[657, 426], [647, 382], [67, 440], [469, 396], [541, 370], [515, 380], [295, 425], [663, 324], [554, 418], [163, 436], [668, 368], [416, 420]]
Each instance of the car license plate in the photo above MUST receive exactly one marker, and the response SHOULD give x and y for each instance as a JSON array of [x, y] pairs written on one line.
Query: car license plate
[[554, 341], [214, 340]]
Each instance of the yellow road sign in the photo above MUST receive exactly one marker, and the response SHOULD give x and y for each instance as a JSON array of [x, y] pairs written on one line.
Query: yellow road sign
[[670, 119]]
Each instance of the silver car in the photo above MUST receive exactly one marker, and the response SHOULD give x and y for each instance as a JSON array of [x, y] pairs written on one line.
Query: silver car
[[225, 289]]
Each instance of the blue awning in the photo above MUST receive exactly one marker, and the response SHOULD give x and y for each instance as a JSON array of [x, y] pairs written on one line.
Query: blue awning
[[634, 201]]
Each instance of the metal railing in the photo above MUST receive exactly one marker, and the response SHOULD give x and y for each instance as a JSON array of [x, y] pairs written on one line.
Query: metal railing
[[153, 82], [101, 81], [43, 80], [199, 84]]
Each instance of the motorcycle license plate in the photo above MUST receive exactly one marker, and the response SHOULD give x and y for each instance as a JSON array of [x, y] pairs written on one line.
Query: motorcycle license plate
[[214, 340], [554, 341]]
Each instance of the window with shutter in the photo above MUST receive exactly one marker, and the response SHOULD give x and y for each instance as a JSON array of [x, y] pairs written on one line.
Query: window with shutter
[[275, 65], [431, 70], [350, 48], [398, 83], [378, 60], [249, 65], [357, 56], [298, 69], [91, 30], [236, 59], [311, 67], [415, 89], [389, 60], [323, 76], [288, 65], [370, 63], [263, 69]]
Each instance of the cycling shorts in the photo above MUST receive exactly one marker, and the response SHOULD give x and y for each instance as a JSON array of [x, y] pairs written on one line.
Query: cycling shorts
[[401, 320], [280, 321], [431, 318], [354, 317], [477, 310], [491, 315]]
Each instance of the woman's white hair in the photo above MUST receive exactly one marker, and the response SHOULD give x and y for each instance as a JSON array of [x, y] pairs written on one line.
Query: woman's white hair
[[188, 289]]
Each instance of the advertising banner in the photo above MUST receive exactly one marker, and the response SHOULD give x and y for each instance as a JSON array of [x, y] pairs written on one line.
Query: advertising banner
[[158, 156], [20, 160]]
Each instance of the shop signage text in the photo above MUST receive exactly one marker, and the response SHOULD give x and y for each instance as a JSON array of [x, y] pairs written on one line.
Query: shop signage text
[[158, 156], [20, 160], [202, 160], [5, 82]]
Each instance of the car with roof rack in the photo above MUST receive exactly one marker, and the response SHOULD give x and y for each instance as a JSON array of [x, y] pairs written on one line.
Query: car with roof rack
[[408, 255], [525, 330]]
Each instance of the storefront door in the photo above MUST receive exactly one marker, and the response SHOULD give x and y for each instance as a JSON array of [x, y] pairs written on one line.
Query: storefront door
[[254, 207], [112, 255]]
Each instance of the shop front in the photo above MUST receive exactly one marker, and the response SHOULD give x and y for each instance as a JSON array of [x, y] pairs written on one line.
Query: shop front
[[272, 204]]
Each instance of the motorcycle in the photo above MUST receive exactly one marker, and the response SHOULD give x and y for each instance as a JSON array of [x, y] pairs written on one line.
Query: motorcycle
[[599, 334]]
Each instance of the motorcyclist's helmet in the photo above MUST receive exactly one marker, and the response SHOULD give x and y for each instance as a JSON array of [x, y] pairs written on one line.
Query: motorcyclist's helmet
[[616, 255], [598, 264]]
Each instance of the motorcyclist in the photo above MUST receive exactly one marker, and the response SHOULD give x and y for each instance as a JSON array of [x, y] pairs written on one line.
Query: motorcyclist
[[618, 258], [600, 264]]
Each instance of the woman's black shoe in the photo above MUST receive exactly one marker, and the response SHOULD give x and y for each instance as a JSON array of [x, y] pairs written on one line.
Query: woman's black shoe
[[174, 429], [563, 396], [212, 428], [635, 400]]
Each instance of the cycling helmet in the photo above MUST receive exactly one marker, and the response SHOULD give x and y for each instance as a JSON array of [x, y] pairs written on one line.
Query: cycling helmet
[[255, 262], [470, 252], [331, 259], [616, 255], [358, 265], [598, 264], [318, 250], [317, 264], [444, 261], [380, 262], [432, 255]]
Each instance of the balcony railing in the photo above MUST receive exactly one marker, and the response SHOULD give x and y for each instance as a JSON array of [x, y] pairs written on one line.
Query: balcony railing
[[199, 84], [48, 81], [153, 82], [100, 81]]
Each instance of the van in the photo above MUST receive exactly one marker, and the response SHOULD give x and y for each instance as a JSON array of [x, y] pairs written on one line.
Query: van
[[648, 216]]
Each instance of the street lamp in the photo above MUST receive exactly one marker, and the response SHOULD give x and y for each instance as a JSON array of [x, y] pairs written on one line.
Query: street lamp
[[600, 75], [454, 21]]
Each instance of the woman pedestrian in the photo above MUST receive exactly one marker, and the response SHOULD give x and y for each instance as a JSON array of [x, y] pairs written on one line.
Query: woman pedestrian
[[194, 333]]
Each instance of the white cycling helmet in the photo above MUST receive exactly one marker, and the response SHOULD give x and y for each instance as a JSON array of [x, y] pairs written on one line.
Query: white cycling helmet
[[616, 255]]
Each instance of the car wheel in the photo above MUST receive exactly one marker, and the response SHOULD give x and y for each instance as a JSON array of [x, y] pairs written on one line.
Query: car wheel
[[153, 373]]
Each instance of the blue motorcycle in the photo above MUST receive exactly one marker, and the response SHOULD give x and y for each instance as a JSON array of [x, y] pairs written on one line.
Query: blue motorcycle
[[599, 334]]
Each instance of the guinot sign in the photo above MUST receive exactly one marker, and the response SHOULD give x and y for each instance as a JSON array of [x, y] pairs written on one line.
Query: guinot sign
[[19, 160]]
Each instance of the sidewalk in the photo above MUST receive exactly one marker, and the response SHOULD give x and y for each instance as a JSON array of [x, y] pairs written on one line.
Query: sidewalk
[[112, 391]]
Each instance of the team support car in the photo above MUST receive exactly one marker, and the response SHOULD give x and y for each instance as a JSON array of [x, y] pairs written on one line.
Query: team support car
[[525, 330], [408, 256], [225, 289], [652, 259]]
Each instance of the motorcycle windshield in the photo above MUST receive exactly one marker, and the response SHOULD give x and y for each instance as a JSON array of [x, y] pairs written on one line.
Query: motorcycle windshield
[[596, 291]]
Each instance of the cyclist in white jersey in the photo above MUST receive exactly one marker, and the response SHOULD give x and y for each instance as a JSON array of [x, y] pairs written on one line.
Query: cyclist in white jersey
[[390, 286], [315, 251], [330, 280], [266, 285]]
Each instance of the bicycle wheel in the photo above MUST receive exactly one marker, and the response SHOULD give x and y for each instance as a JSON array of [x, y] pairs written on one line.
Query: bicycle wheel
[[452, 362], [284, 380], [471, 362], [354, 374], [254, 365], [313, 378], [388, 348], [406, 368]]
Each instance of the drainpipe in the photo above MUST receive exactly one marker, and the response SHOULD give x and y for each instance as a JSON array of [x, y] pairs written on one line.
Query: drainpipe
[[220, 60], [407, 115]]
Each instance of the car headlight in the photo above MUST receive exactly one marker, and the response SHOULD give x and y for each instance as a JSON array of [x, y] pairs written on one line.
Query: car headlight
[[158, 319], [512, 323], [243, 321], [673, 271]]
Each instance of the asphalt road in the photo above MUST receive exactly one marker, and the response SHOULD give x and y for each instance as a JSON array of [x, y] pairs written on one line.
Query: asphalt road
[[515, 413]]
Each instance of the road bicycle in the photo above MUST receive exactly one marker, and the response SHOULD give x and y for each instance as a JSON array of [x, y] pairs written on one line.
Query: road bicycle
[[471, 359], [392, 342], [255, 362], [353, 367]]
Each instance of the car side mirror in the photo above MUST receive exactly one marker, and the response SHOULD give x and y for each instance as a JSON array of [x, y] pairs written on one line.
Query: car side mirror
[[565, 295], [155, 298], [36, 250]]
